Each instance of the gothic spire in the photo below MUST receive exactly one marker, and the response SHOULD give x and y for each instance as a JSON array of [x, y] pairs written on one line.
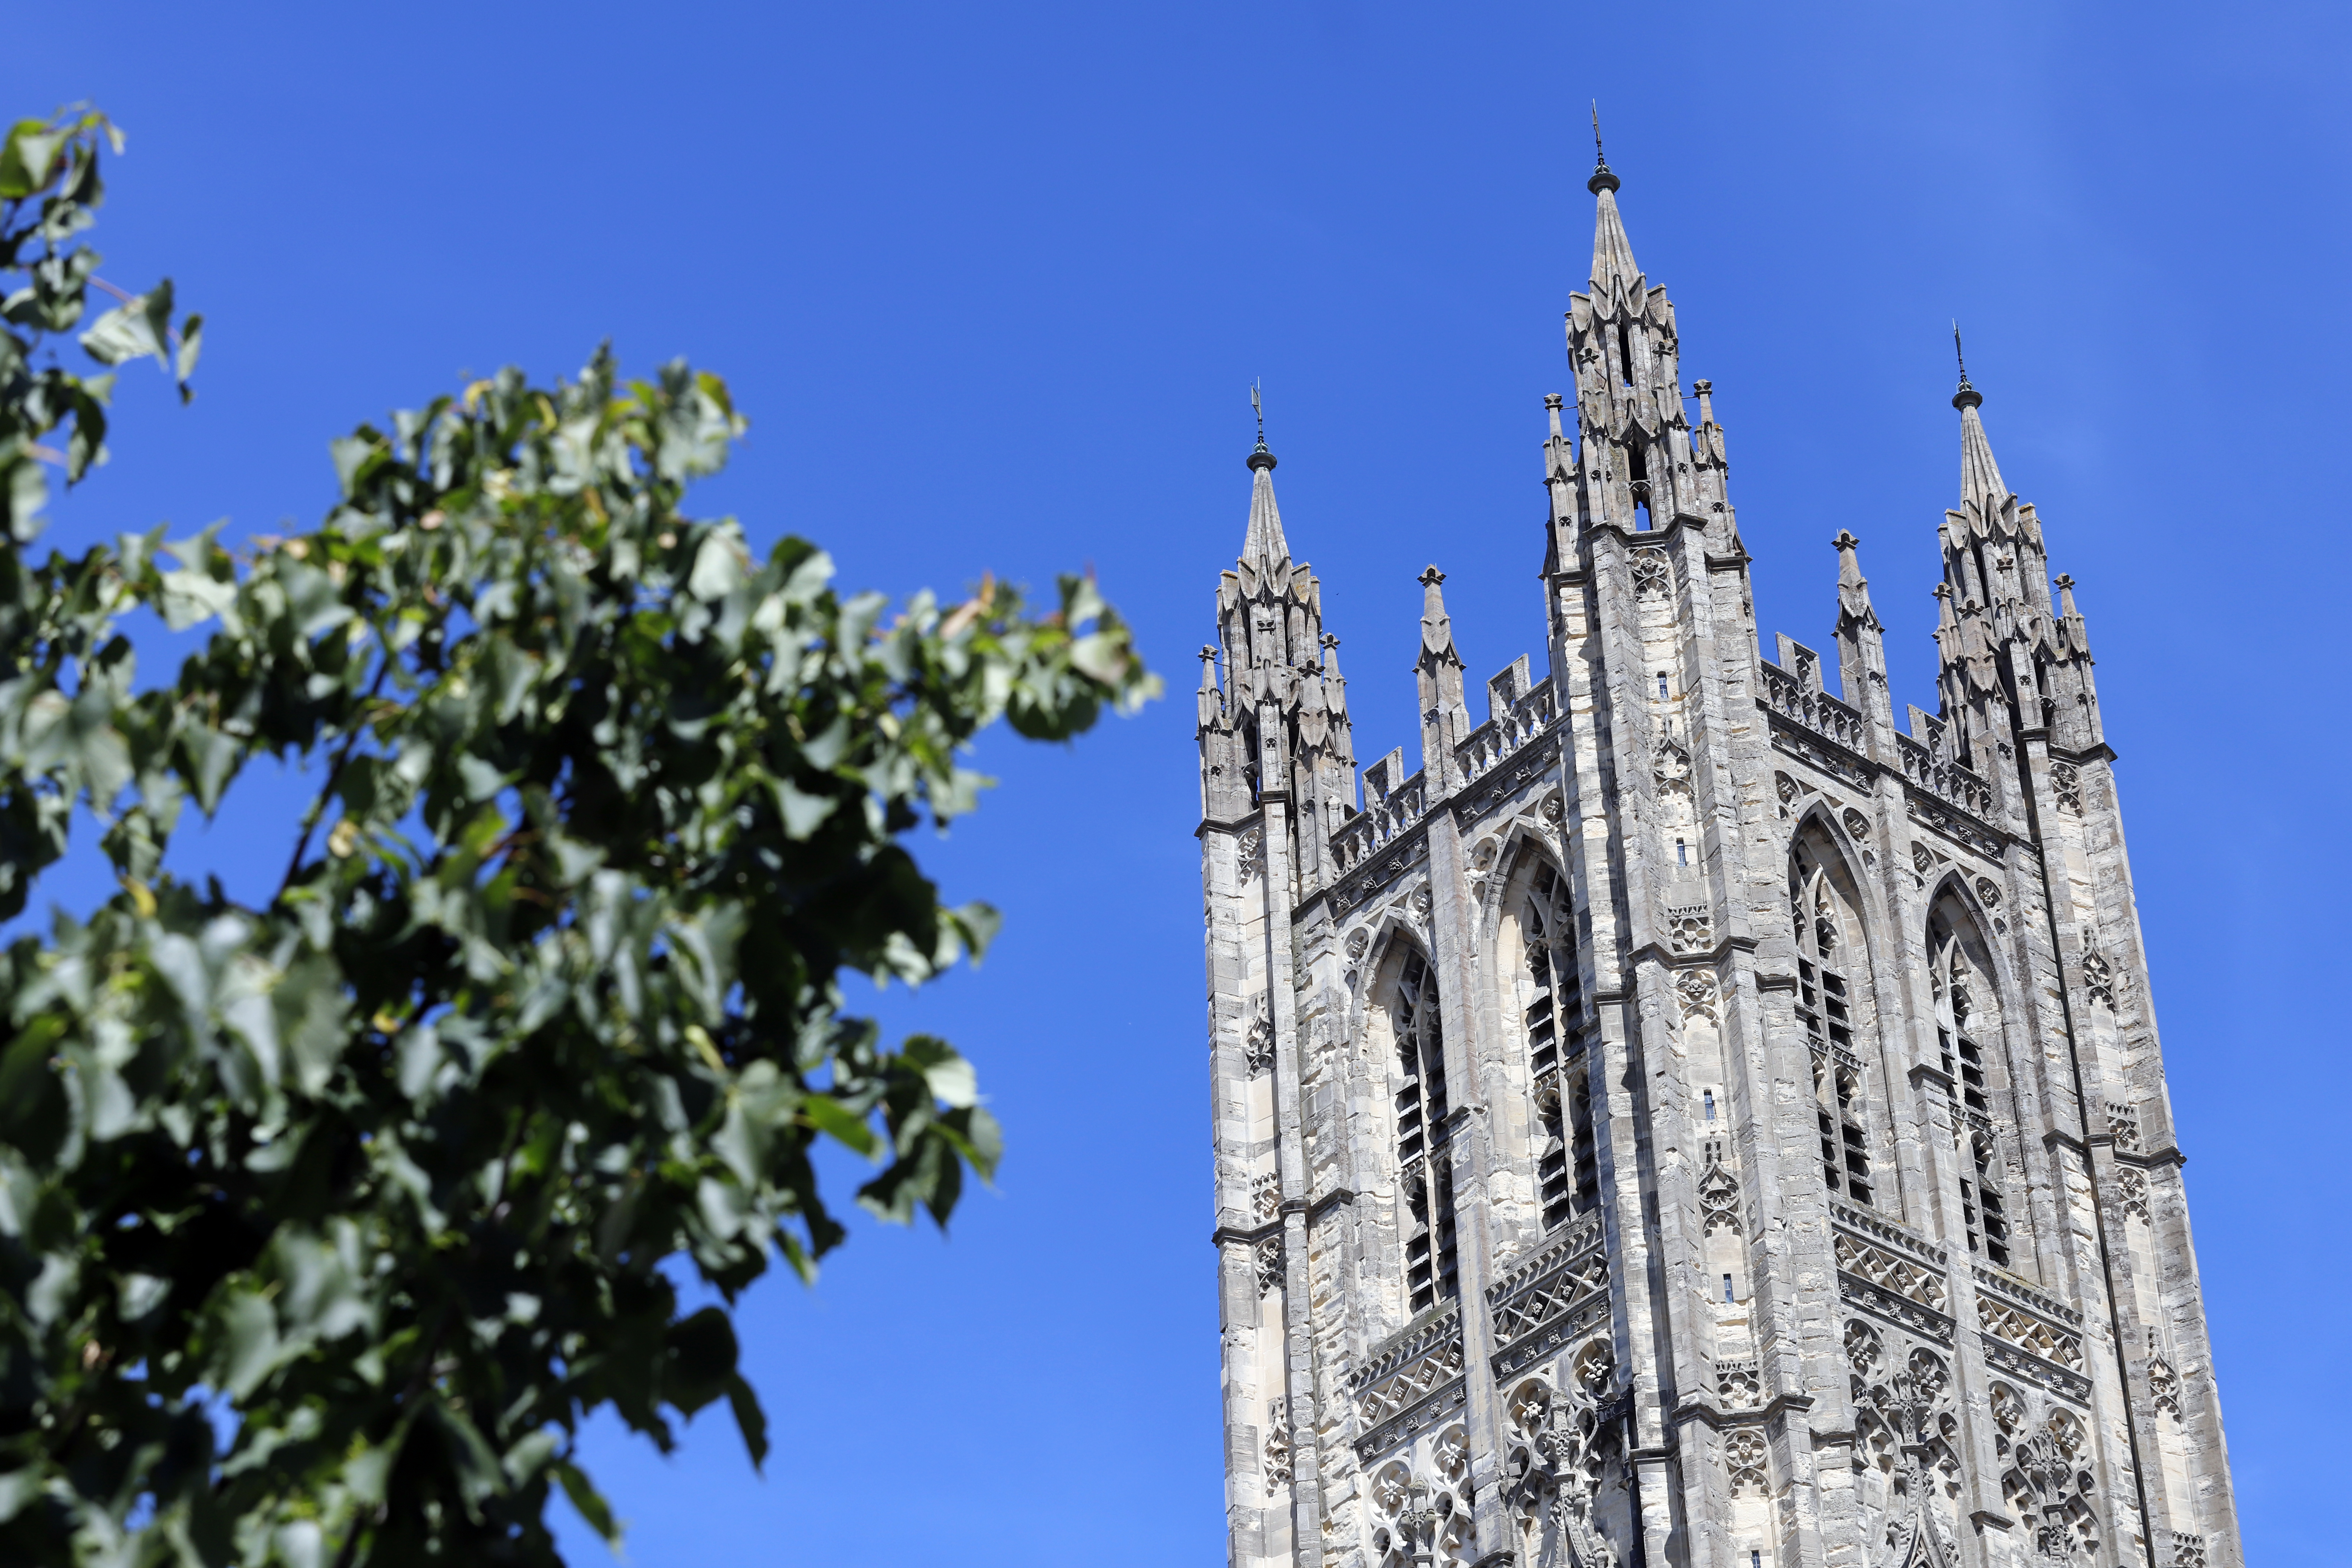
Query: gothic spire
[[1613, 253], [1264, 545], [1979, 475]]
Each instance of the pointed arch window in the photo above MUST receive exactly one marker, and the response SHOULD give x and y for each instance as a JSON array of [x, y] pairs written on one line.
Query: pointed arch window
[[1425, 1176], [1965, 1026], [1829, 966], [1567, 1181]]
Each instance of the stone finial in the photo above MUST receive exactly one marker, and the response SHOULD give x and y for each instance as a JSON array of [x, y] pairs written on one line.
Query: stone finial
[[1553, 402]]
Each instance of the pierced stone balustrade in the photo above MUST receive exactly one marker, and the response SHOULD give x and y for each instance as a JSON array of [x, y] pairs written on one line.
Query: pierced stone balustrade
[[1503, 735], [1947, 782], [1814, 709], [1365, 834]]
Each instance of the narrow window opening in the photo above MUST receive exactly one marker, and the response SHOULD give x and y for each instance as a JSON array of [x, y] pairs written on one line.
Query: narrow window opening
[[1726, 1288], [1824, 1007], [1662, 686], [1708, 1096], [1682, 853], [1424, 1174], [1961, 1027], [1551, 1010], [1626, 356]]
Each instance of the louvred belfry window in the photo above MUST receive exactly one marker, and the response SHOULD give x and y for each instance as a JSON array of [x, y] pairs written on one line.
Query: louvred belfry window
[[1565, 1177], [1825, 1006], [1964, 1025], [1425, 1176]]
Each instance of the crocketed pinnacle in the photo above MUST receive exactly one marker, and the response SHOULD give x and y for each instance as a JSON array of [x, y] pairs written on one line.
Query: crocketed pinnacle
[[1437, 626], [1264, 544], [1854, 588]]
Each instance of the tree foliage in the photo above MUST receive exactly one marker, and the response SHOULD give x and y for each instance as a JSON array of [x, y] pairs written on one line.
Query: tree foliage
[[323, 1223]]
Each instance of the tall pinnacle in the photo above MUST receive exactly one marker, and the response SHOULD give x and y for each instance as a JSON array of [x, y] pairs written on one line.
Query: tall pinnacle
[[1264, 544], [1979, 475], [1437, 626], [1854, 588]]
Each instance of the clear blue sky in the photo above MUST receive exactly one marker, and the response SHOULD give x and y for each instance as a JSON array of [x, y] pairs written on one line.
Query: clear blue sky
[[992, 283]]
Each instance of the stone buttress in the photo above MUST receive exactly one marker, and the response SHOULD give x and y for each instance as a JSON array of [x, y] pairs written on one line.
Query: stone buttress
[[1692, 1118]]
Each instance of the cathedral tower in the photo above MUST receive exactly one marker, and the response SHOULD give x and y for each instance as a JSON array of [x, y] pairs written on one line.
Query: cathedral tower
[[1690, 1118]]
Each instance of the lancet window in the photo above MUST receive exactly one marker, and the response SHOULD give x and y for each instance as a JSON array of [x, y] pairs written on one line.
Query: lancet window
[[1425, 1176], [1967, 1032], [1830, 967], [1566, 1181]]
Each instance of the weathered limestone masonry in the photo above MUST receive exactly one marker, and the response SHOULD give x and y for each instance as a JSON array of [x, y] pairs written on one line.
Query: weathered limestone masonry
[[1691, 1120]]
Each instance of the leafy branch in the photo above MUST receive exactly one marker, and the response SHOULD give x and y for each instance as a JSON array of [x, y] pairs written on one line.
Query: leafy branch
[[403, 1163]]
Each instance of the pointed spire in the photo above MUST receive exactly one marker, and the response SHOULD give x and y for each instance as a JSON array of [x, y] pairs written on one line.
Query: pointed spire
[[1613, 253], [1264, 544], [1979, 475], [1212, 703], [1437, 626]]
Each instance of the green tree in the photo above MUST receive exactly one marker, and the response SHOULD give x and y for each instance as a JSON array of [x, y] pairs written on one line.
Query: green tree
[[547, 1007]]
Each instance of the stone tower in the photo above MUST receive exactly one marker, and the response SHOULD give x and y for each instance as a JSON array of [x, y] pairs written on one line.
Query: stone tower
[[1687, 1118]]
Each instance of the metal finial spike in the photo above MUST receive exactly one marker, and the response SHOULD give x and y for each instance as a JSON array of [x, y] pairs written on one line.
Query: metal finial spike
[[1257, 406], [1966, 397], [1603, 180]]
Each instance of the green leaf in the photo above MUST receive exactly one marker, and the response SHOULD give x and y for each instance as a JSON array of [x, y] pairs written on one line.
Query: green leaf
[[247, 1332], [479, 1475], [588, 1502], [948, 1074], [829, 1116], [26, 156], [803, 813], [750, 1419], [138, 328], [191, 339]]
